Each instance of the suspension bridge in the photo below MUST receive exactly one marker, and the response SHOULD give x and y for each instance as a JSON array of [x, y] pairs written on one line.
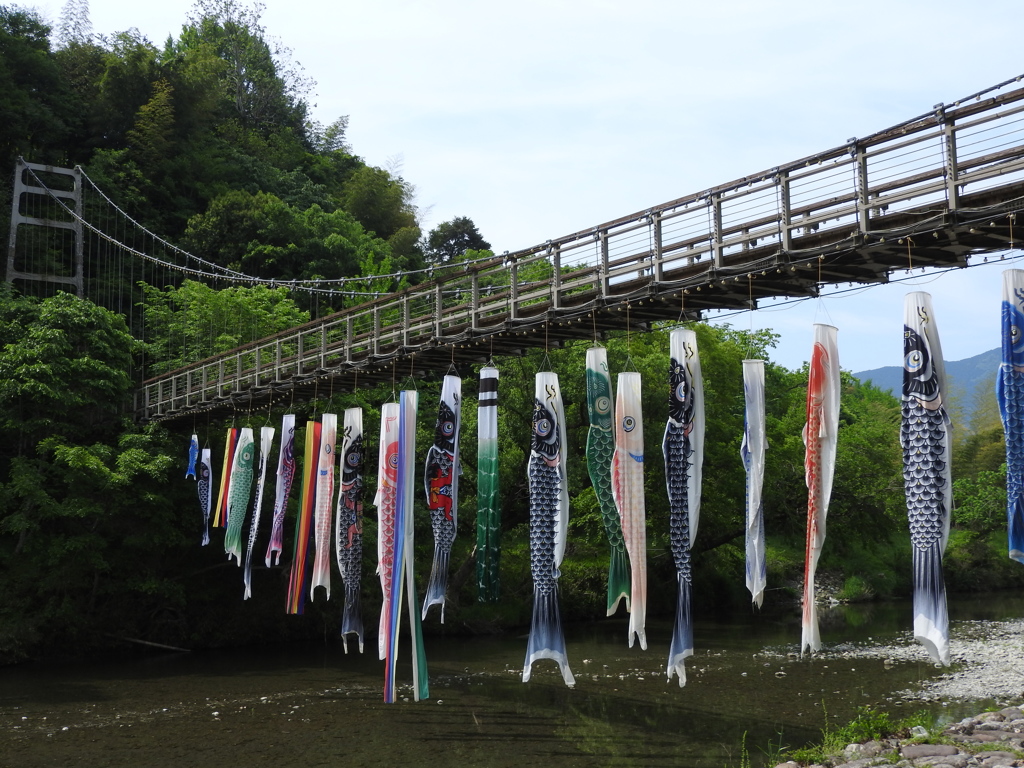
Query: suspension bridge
[[930, 192]]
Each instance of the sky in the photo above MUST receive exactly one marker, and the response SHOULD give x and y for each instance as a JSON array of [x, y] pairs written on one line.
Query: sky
[[544, 117]]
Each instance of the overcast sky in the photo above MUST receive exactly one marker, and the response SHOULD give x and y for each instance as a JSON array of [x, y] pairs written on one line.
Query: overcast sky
[[541, 118]]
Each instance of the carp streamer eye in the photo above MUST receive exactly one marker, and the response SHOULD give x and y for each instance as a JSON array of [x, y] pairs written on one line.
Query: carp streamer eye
[[681, 392], [447, 428], [913, 361], [603, 405], [628, 423], [393, 460], [543, 427], [353, 459]]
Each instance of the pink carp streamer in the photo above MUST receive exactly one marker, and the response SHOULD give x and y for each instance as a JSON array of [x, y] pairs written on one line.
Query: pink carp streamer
[[266, 443], [386, 502], [549, 521], [820, 435], [323, 506], [628, 490], [349, 530], [752, 451], [304, 522], [285, 476], [925, 434]]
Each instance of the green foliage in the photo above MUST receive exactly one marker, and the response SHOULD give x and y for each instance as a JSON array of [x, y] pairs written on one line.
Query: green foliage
[[451, 239], [192, 322]]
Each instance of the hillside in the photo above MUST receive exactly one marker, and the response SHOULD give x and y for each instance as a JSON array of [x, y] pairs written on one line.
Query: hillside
[[968, 379]]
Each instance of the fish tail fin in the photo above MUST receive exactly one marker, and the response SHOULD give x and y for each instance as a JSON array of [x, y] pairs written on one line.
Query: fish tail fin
[[321, 576], [546, 638], [206, 537], [352, 619], [931, 622], [810, 637], [438, 584], [618, 579], [682, 634], [1016, 529]]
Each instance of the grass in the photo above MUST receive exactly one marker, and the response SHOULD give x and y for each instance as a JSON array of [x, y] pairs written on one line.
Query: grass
[[869, 725]]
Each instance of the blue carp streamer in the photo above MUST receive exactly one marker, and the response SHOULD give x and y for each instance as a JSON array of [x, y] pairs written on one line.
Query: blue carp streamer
[[925, 437]]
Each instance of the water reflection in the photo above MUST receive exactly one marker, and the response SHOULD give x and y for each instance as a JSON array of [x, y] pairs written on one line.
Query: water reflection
[[270, 704]]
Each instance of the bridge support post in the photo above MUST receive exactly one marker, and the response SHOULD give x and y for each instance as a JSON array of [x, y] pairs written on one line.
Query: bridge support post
[[76, 278], [556, 279], [474, 317], [603, 240], [513, 310], [659, 272], [716, 229], [863, 189], [785, 213], [952, 168], [438, 312]]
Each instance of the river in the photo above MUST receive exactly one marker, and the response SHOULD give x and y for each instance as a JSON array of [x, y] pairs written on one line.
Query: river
[[313, 705]]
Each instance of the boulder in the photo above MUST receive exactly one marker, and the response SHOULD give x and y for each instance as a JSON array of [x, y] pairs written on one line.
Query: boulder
[[914, 751]]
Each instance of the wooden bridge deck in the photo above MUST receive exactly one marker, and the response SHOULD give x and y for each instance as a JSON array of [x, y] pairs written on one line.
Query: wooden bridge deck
[[926, 193]]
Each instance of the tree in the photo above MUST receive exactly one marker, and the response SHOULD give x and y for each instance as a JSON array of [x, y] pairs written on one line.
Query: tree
[[450, 239], [192, 322]]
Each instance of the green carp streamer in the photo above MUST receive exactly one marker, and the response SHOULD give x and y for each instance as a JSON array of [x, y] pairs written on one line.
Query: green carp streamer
[[600, 447], [488, 519]]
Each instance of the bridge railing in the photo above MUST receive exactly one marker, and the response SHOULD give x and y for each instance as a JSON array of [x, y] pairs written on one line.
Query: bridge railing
[[923, 169]]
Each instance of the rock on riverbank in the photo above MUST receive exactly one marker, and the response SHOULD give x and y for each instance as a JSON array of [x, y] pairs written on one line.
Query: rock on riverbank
[[988, 740]]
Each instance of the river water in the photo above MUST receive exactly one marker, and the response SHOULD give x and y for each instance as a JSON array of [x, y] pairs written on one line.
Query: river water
[[314, 705]]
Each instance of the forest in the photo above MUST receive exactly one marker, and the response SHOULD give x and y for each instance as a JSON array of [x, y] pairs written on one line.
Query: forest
[[207, 139]]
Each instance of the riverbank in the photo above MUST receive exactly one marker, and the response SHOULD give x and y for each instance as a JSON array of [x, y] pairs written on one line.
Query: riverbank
[[987, 662], [989, 740]]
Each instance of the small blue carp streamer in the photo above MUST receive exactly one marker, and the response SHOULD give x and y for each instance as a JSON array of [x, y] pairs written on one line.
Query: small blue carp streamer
[[821, 433], [239, 492], [600, 450], [285, 476], [926, 440], [193, 455], [1010, 394], [323, 505], [349, 531], [752, 450], [441, 482], [628, 489], [204, 487], [549, 521], [488, 515], [266, 444], [683, 447]]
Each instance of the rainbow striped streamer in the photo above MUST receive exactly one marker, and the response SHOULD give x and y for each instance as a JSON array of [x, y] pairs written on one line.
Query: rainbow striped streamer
[[304, 522], [220, 518]]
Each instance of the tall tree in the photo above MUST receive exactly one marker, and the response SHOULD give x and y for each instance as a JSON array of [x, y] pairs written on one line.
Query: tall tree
[[450, 239]]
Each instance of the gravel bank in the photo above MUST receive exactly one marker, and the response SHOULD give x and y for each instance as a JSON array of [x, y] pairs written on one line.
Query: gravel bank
[[987, 661]]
